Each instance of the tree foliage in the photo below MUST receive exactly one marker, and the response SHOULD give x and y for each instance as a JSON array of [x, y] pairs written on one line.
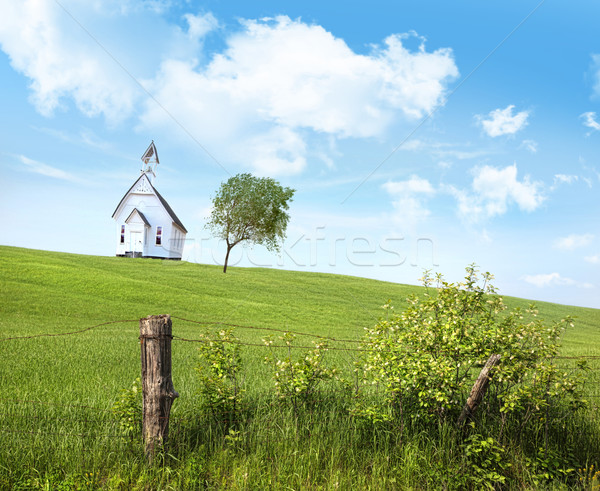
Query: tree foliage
[[253, 209]]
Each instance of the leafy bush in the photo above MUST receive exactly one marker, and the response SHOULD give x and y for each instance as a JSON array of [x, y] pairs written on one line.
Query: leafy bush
[[296, 380], [128, 410], [219, 371], [486, 462], [427, 357]]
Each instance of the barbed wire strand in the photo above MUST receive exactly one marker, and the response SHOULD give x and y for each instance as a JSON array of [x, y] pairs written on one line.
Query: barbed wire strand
[[329, 338], [45, 403], [243, 343], [68, 333], [242, 326], [48, 433]]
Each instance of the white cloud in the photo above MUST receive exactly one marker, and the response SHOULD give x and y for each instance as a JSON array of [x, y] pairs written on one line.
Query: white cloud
[[412, 145], [301, 75], [276, 82], [123, 7], [595, 259], [493, 190], [47, 170], [553, 279], [285, 74], [409, 199], [589, 120], [72, 51], [496, 188], [469, 205], [61, 60], [573, 241], [503, 122], [279, 151], [200, 25], [444, 150], [565, 178], [414, 185], [292, 74], [530, 145]]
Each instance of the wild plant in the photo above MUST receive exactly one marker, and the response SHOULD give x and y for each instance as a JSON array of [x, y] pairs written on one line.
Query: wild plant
[[219, 372], [589, 478], [128, 410], [296, 379], [426, 357]]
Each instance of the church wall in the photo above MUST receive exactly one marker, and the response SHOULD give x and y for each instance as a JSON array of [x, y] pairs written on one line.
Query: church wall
[[171, 243]]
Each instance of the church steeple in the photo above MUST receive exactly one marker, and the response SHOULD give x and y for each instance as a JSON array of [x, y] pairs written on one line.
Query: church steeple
[[150, 161]]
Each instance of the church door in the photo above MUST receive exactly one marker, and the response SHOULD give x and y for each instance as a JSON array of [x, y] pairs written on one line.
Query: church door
[[136, 242]]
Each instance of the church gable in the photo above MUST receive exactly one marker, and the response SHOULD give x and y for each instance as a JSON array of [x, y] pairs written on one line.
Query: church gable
[[142, 186], [136, 216]]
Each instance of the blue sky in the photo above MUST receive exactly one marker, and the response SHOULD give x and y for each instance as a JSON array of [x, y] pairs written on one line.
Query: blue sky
[[418, 135]]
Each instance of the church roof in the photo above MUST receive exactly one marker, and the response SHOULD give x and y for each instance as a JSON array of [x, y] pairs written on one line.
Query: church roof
[[162, 200], [142, 216], [169, 210]]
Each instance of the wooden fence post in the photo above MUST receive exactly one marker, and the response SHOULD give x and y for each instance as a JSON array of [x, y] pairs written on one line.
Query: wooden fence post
[[479, 389], [157, 386]]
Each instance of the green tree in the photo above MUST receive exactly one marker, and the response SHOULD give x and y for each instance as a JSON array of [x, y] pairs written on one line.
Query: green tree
[[249, 208]]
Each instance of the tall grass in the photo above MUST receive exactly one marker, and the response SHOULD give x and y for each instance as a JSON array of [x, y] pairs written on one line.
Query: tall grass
[[56, 393]]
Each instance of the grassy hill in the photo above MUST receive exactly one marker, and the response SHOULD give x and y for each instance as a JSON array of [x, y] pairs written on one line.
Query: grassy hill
[[44, 379], [56, 292]]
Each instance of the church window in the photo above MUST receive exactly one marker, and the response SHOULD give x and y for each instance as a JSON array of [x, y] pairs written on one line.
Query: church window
[[158, 235], [122, 234]]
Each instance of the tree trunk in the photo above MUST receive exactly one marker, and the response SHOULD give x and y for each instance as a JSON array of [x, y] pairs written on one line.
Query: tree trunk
[[227, 258], [479, 389], [157, 386]]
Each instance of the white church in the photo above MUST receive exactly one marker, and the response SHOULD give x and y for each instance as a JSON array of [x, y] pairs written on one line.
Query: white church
[[146, 226]]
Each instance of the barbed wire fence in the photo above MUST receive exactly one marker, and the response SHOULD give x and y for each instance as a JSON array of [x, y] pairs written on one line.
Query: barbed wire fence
[[43, 422]]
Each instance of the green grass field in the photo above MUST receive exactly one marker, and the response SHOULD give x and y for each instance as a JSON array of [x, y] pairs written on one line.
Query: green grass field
[[58, 431]]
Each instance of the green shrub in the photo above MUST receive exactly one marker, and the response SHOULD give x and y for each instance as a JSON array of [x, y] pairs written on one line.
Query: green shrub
[[219, 372], [128, 410], [296, 380], [427, 357], [486, 462]]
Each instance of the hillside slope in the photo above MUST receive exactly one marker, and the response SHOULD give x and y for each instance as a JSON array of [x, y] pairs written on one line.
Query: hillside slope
[[59, 430], [55, 292]]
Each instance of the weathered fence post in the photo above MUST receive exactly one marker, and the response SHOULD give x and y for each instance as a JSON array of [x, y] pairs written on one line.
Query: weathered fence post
[[157, 386], [479, 389]]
